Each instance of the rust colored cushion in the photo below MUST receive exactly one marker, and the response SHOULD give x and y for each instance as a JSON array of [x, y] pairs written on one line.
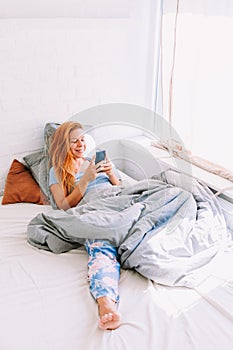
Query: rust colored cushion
[[21, 187]]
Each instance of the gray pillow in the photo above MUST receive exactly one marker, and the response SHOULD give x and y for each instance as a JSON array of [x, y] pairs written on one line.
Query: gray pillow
[[38, 162], [49, 130]]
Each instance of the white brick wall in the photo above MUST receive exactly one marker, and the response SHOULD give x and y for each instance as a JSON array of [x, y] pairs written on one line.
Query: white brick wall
[[51, 69]]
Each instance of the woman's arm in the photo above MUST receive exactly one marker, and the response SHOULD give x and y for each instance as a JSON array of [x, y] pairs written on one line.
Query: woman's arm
[[70, 201], [65, 202], [114, 179], [108, 169]]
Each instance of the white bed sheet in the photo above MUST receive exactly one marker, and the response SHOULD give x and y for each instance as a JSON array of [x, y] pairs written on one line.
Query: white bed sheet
[[46, 304]]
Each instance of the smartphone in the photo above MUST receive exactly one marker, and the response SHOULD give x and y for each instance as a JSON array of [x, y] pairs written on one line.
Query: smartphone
[[99, 156]]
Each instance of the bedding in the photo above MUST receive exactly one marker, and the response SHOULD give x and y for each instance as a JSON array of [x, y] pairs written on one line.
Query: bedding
[[165, 233], [46, 304]]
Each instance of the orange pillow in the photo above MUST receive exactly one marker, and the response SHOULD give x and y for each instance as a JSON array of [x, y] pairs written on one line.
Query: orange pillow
[[21, 187]]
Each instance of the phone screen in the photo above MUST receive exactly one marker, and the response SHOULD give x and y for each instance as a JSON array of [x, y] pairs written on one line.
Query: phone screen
[[100, 155]]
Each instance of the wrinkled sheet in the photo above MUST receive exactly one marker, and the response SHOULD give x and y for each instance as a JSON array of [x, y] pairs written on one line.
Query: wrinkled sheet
[[166, 233], [47, 294]]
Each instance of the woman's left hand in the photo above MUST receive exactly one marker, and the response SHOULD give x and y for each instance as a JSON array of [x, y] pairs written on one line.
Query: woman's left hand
[[105, 167]]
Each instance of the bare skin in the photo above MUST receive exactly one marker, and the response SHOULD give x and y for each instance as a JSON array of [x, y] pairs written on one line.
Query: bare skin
[[109, 317]]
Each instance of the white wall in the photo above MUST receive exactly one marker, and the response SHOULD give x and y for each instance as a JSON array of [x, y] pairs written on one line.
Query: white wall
[[64, 8], [52, 68]]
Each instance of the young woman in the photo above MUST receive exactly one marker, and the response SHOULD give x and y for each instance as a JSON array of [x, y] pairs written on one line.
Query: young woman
[[71, 176]]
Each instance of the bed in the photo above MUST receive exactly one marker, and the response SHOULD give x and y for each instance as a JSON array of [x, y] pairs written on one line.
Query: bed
[[46, 304]]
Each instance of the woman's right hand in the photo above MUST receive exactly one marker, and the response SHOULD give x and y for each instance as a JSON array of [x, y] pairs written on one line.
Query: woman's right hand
[[90, 173]]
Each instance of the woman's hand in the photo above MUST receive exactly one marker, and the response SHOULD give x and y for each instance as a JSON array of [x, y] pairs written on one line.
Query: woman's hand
[[91, 172], [105, 167]]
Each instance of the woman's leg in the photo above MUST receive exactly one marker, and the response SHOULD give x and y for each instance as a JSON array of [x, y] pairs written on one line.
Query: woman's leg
[[103, 276]]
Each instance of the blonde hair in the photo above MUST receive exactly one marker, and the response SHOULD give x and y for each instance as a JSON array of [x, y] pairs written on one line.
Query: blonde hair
[[61, 156]]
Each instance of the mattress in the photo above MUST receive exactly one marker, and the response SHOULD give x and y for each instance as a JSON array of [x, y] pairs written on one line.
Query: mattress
[[46, 304]]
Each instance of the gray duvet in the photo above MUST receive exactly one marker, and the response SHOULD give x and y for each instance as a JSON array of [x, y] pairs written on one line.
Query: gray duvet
[[164, 232]]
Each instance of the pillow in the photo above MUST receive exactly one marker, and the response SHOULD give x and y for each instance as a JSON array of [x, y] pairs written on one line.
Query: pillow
[[49, 130], [20, 186], [38, 162]]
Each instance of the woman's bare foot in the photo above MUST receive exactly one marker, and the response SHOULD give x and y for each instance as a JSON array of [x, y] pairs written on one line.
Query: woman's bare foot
[[109, 317]]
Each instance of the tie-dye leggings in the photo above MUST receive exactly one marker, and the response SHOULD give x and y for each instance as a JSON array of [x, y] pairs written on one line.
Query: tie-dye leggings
[[103, 269]]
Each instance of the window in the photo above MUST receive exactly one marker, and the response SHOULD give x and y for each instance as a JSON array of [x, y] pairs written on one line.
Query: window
[[202, 106]]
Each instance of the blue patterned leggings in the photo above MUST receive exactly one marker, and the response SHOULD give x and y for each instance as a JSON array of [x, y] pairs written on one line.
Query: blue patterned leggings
[[103, 269]]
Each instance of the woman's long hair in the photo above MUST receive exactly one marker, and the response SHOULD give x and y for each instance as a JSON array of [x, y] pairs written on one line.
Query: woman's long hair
[[61, 156]]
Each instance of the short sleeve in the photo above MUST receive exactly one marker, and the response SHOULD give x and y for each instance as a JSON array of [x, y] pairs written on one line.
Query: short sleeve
[[52, 177]]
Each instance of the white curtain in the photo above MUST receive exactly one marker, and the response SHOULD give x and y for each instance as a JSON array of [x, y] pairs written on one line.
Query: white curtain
[[197, 42]]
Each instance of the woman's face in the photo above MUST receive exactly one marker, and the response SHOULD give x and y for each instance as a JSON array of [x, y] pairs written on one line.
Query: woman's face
[[77, 143]]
